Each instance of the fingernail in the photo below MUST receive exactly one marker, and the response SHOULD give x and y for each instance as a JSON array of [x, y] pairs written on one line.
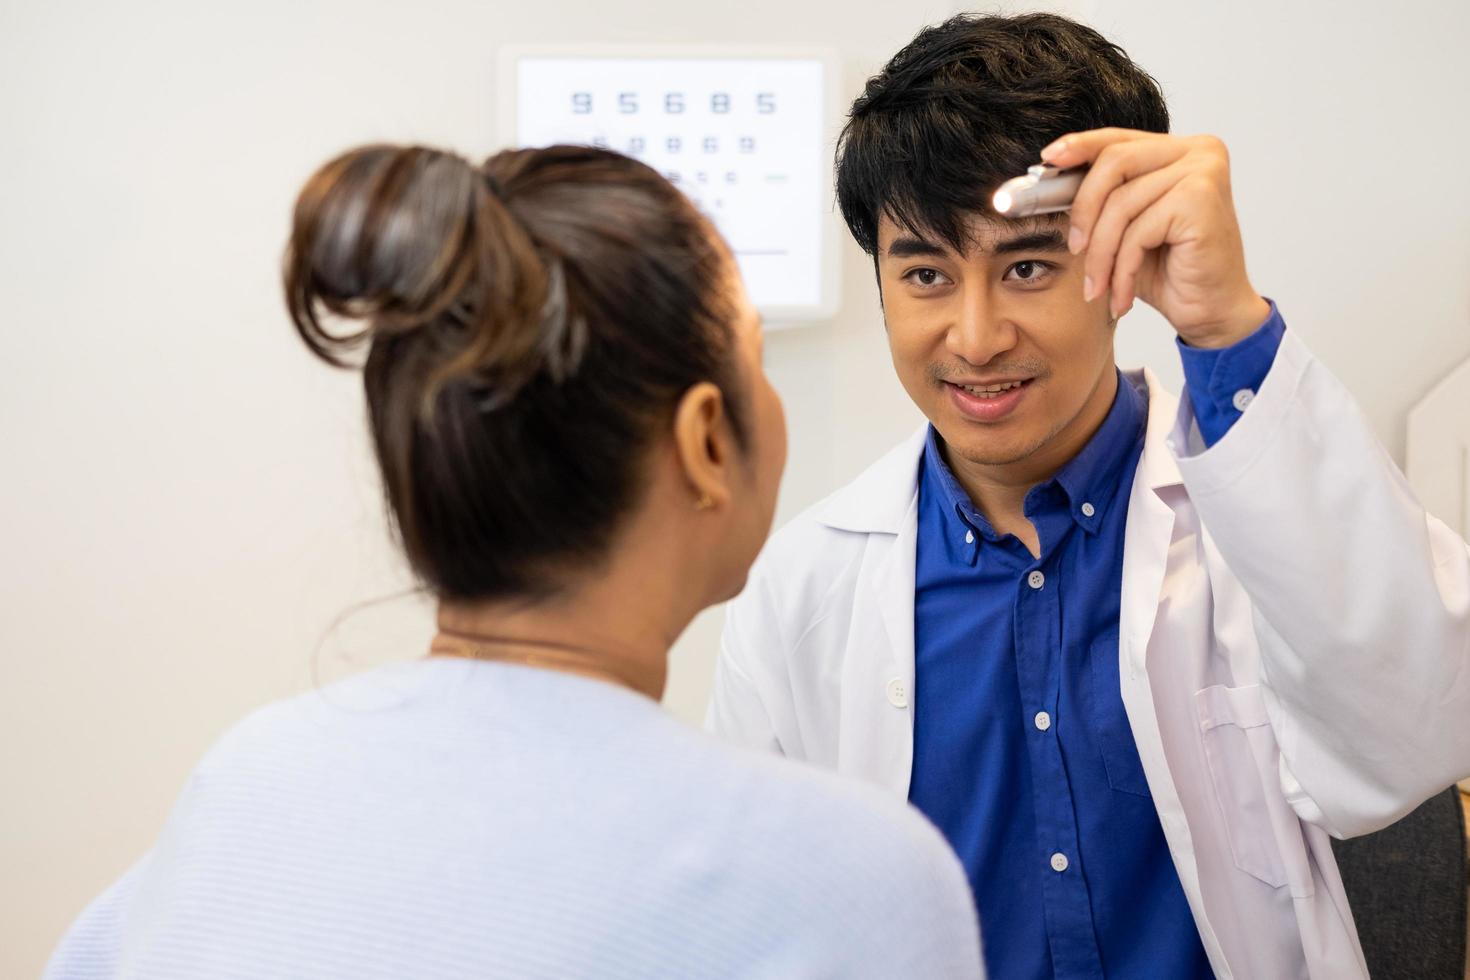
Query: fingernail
[[1054, 149], [1075, 240], [1087, 289]]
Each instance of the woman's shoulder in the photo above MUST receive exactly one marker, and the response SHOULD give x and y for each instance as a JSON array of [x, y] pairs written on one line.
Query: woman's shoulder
[[530, 784], [372, 698], [457, 729], [828, 854], [809, 812]]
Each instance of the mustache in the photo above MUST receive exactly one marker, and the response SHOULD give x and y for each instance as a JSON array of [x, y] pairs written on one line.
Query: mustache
[[1028, 367]]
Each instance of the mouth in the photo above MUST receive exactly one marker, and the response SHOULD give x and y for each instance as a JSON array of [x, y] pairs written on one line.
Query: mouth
[[991, 390], [991, 402]]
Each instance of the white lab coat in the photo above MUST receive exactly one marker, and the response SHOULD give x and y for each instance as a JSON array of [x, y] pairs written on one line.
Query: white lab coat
[[1293, 647]]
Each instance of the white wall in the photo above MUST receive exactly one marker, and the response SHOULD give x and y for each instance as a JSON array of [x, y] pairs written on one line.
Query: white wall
[[1326, 105], [188, 503]]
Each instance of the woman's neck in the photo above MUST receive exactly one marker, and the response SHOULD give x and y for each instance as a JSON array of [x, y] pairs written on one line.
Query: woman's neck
[[599, 631]]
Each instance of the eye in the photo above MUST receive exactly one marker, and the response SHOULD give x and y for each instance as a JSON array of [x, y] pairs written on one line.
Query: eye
[[926, 278], [1029, 271]]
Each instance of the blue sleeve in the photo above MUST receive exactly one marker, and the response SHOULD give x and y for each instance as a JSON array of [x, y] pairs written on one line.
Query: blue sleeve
[[1221, 383]]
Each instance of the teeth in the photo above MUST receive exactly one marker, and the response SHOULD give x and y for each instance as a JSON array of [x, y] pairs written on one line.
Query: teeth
[[990, 391]]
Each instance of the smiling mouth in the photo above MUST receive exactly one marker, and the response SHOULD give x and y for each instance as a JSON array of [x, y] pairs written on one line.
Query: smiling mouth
[[990, 391]]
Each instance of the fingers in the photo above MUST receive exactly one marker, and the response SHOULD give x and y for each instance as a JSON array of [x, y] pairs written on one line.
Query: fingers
[[1119, 210], [1130, 197], [1113, 166], [1155, 217], [1145, 233], [1076, 149]]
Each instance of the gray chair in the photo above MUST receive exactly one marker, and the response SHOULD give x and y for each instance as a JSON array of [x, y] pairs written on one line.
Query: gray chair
[[1407, 888]]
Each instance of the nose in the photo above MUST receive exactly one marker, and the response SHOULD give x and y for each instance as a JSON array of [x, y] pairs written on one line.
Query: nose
[[981, 331]]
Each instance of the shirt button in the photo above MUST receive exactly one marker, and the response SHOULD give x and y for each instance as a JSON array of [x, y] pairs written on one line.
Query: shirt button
[[1036, 580], [1043, 720], [898, 693], [1243, 399], [1088, 510], [969, 537], [1059, 862]]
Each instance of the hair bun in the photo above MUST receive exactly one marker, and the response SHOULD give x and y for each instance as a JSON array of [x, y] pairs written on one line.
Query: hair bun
[[412, 238]]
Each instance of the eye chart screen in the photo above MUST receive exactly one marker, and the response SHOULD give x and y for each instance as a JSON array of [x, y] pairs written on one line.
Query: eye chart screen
[[744, 137]]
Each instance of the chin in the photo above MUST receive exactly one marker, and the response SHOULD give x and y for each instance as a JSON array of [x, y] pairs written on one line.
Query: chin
[[994, 452], [995, 458], [732, 589]]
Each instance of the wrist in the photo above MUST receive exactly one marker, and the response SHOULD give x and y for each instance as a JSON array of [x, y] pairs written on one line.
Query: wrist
[[1243, 319]]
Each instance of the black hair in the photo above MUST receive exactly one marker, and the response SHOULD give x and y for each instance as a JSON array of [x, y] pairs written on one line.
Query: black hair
[[971, 103]]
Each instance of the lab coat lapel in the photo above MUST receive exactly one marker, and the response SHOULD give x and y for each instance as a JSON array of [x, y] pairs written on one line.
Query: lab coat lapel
[[1150, 532], [1150, 529], [877, 670], [892, 653]]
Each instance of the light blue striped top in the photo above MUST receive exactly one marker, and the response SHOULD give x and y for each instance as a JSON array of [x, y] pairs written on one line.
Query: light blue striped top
[[453, 818]]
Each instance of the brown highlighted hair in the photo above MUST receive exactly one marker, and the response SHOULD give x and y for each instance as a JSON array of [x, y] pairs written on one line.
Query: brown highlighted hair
[[529, 325]]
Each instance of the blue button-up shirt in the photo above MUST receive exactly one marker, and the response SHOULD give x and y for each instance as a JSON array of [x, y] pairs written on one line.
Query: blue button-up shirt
[[1023, 756]]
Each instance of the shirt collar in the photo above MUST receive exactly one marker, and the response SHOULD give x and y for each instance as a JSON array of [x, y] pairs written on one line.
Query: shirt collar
[[952, 498], [961, 526], [1089, 480]]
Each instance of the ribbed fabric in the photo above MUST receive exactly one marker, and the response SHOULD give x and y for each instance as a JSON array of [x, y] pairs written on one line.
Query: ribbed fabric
[[452, 818]]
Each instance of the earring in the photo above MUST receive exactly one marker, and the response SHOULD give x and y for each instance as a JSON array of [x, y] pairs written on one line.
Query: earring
[[704, 502]]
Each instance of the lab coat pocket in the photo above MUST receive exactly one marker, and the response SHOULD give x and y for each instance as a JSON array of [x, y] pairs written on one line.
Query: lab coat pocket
[[1114, 734], [1243, 758]]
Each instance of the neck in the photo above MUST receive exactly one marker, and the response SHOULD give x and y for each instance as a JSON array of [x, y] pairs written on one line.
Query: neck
[[999, 490], [600, 631], [615, 620]]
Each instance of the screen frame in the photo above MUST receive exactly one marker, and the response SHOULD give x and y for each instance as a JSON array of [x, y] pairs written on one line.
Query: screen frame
[[776, 317]]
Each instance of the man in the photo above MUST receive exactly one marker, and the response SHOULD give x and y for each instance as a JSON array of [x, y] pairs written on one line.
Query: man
[[1136, 656]]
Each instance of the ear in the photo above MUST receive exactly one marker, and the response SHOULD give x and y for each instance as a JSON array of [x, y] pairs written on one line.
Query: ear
[[703, 443]]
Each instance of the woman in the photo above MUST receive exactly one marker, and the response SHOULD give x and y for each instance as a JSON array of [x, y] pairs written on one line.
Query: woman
[[580, 451]]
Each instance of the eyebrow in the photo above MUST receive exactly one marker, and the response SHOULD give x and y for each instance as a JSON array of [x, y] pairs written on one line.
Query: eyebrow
[[1050, 240], [907, 247], [1044, 240]]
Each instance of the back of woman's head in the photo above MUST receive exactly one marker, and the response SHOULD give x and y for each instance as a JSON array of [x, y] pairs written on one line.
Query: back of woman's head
[[528, 323]]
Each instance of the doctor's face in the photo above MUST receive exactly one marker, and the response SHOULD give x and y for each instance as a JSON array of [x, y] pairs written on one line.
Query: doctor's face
[[996, 345]]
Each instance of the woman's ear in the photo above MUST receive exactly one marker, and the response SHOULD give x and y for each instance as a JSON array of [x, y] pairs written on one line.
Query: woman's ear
[[703, 444]]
